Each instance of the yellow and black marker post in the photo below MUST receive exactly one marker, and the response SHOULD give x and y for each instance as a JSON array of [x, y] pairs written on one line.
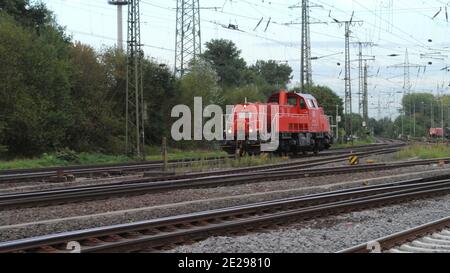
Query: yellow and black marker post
[[354, 160]]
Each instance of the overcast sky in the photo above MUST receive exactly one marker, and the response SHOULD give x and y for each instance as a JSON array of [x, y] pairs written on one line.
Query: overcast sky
[[392, 25]]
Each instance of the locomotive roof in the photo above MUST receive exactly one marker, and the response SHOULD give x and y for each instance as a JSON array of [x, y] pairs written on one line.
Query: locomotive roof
[[306, 96], [302, 95]]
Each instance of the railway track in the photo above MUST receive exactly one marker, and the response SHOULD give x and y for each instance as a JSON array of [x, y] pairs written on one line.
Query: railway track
[[63, 173], [156, 234], [433, 237], [215, 179], [91, 170]]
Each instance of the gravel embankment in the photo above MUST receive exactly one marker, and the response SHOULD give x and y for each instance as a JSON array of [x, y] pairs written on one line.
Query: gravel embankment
[[329, 234], [229, 195], [150, 206]]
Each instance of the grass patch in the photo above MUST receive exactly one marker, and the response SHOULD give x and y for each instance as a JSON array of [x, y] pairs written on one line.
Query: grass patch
[[262, 159], [424, 151], [70, 158], [246, 161], [58, 159], [359, 142]]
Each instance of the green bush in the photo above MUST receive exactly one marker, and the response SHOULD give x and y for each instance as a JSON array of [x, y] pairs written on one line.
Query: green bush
[[67, 155]]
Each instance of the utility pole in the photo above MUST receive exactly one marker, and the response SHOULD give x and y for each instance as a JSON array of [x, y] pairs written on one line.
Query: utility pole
[[432, 113], [441, 96], [406, 65], [365, 96], [188, 35], [338, 119], [305, 64], [379, 107], [119, 4], [305, 60], [414, 119], [348, 83], [448, 118], [135, 110], [362, 79], [403, 125]]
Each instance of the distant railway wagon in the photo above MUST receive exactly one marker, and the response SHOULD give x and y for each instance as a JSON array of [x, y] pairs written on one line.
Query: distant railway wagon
[[436, 132], [302, 125]]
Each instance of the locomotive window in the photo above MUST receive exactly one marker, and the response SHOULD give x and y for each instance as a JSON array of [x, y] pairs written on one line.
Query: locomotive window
[[292, 101], [312, 104], [274, 100], [302, 104]]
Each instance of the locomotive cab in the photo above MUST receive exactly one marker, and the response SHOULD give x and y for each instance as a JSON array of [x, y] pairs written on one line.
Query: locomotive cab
[[295, 103]]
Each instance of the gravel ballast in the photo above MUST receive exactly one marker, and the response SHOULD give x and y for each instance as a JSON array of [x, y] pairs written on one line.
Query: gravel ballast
[[228, 195], [329, 234], [153, 206], [11, 187]]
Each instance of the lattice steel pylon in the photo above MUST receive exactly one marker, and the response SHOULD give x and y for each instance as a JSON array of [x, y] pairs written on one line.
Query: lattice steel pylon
[[305, 63], [407, 86], [361, 79], [135, 112], [348, 80], [365, 95], [348, 83], [362, 66], [188, 35]]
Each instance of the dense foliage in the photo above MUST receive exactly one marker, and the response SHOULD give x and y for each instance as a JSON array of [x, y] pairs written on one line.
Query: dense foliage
[[58, 95]]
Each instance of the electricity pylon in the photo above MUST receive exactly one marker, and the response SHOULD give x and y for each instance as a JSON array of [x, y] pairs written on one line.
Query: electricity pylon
[[406, 65], [305, 65], [361, 66], [348, 84], [135, 110], [188, 35]]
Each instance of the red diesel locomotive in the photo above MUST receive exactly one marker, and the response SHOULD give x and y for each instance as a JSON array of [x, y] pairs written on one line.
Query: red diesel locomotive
[[302, 125]]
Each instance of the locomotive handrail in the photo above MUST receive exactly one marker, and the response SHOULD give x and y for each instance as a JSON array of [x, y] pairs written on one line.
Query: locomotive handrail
[[292, 115]]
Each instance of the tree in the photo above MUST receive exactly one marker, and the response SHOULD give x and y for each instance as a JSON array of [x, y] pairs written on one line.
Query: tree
[[423, 111], [226, 60], [34, 16], [34, 89], [238, 95], [90, 120], [160, 94], [114, 62], [384, 127], [201, 81], [273, 73]]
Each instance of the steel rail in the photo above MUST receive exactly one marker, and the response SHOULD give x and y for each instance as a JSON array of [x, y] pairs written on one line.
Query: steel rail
[[113, 165], [28, 174], [178, 229], [142, 186], [391, 241], [43, 173]]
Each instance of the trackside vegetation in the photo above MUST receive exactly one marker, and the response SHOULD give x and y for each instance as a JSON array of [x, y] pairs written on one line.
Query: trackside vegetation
[[424, 151]]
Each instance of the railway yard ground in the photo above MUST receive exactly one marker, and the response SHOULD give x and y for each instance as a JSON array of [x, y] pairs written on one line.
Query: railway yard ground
[[301, 204]]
